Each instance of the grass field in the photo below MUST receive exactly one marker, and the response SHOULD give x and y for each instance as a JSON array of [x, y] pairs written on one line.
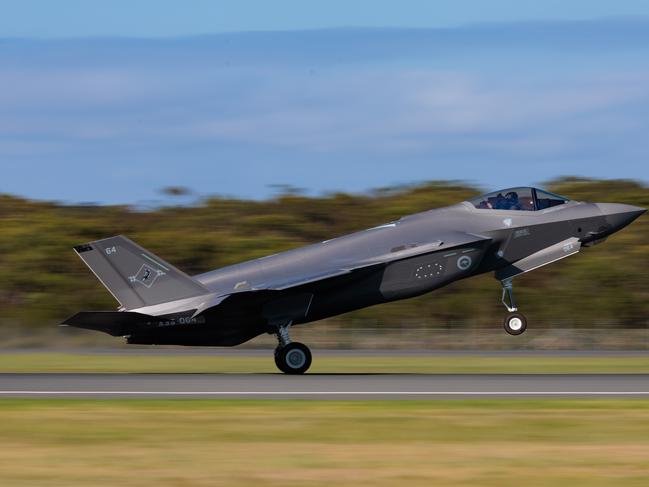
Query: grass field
[[324, 443], [326, 363]]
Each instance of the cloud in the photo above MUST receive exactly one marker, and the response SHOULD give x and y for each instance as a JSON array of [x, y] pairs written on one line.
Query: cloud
[[349, 108], [406, 97], [412, 110]]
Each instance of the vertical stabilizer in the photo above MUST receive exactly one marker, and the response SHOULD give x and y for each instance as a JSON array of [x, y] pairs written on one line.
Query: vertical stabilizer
[[134, 276]]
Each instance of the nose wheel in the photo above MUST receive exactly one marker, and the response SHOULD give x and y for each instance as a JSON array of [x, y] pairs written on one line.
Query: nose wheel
[[292, 358], [515, 323]]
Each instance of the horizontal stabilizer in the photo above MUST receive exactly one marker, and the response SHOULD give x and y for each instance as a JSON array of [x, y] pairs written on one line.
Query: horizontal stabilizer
[[114, 323]]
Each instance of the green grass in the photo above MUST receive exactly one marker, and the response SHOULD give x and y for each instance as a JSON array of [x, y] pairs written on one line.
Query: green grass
[[323, 443], [244, 363]]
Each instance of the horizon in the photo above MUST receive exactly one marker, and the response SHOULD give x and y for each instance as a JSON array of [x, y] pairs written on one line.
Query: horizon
[[184, 197]]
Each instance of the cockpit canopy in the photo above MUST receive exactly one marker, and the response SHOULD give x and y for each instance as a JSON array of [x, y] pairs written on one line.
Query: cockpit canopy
[[518, 199]]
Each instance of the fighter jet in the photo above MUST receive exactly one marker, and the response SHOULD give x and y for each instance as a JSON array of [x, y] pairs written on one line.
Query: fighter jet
[[508, 232]]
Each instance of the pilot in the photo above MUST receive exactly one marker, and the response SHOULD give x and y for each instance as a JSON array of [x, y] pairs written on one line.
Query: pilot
[[501, 202], [485, 205], [513, 202]]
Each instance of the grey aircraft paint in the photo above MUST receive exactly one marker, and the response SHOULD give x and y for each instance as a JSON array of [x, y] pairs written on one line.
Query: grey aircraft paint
[[507, 235]]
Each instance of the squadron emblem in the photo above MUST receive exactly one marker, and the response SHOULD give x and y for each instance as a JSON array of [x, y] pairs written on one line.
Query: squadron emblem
[[146, 276]]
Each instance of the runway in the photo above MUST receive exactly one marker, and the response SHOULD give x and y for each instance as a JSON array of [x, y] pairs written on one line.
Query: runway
[[323, 386]]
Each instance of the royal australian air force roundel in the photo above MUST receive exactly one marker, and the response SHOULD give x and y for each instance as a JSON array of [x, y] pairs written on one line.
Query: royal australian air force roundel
[[464, 262]]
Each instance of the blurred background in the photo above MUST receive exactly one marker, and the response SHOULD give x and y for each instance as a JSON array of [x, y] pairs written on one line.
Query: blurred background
[[599, 298], [216, 132]]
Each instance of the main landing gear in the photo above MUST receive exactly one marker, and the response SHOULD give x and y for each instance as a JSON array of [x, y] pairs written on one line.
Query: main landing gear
[[291, 357], [515, 323]]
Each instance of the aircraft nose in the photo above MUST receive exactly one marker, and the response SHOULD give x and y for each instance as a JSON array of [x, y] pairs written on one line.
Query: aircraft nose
[[618, 215]]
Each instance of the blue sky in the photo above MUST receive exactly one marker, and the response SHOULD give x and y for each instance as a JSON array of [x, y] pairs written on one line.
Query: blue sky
[[171, 18], [111, 101]]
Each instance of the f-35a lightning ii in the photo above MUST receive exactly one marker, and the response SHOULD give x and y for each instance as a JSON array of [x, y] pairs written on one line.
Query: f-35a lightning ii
[[508, 232]]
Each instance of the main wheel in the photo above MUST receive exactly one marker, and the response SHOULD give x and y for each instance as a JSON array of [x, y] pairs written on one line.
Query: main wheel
[[515, 324], [278, 363], [294, 358]]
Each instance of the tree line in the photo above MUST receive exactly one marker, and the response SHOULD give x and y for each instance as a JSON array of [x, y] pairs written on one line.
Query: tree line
[[42, 281]]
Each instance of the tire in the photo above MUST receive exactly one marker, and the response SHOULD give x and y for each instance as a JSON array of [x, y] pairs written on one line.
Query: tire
[[515, 324], [278, 364], [293, 359]]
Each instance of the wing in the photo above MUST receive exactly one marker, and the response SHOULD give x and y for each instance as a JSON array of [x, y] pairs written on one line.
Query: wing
[[446, 242], [276, 288]]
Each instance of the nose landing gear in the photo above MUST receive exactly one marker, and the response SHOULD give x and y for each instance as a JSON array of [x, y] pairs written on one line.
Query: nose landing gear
[[515, 323], [292, 358]]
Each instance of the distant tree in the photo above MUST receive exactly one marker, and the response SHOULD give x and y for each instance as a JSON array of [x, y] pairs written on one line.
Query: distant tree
[[176, 191], [287, 189]]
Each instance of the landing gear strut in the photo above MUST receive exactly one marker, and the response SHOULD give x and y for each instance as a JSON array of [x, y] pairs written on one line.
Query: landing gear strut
[[515, 323], [291, 357]]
